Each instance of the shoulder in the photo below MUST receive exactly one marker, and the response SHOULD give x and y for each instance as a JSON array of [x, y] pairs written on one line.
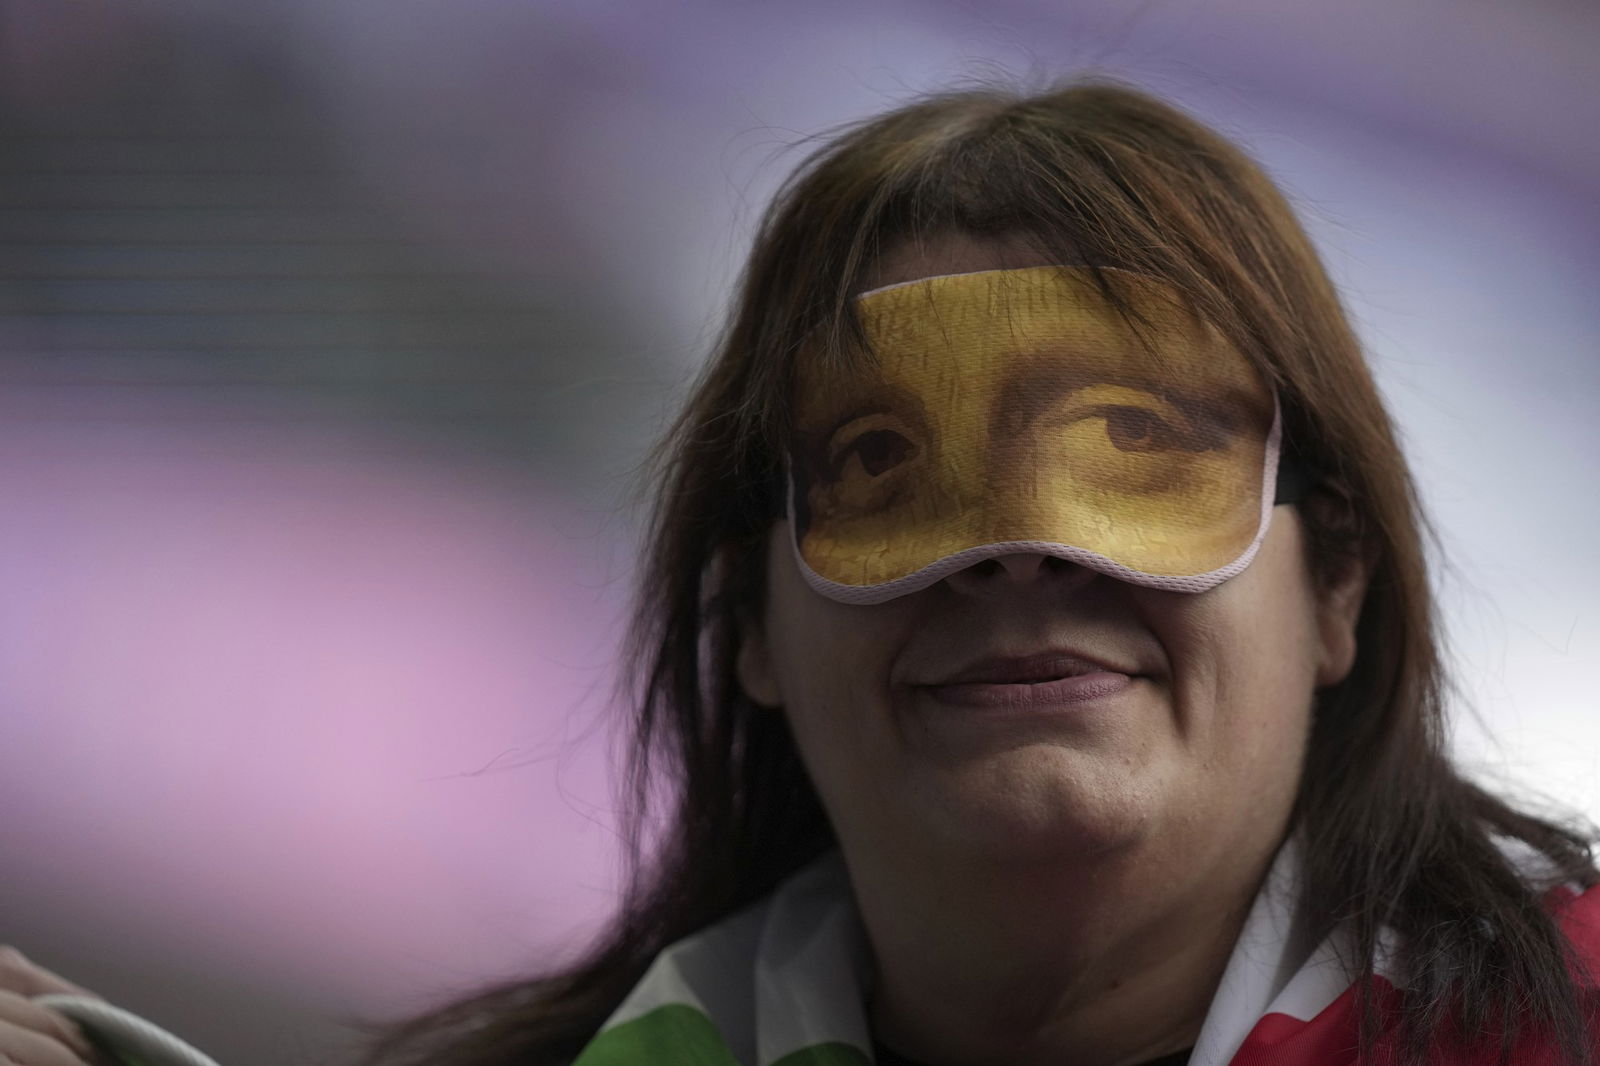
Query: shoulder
[[1327, 1032], [1576, 911], [781, 976]]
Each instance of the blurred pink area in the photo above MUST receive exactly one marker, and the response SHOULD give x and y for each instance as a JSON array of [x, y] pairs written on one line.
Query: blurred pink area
[[332, 710]]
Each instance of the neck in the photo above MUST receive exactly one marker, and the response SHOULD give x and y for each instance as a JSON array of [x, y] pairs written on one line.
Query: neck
[[1099, 963]]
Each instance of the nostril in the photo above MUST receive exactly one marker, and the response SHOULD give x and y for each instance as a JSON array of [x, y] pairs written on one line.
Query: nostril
[[1020, 568]]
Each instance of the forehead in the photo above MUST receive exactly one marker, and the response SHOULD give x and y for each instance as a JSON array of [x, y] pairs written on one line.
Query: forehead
[[969, 334], [1045, 315], [952, 253]]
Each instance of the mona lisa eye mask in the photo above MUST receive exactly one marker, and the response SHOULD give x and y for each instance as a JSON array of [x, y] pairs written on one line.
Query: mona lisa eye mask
[[1016, 411]]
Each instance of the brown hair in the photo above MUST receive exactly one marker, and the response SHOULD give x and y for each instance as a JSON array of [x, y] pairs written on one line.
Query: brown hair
[[1103, 175]]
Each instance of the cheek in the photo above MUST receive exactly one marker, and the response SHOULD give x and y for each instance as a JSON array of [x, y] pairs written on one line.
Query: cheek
[[1265, 691], [1243, 662], [831, 660], [820, 670], [837, 701], [1240, 701]]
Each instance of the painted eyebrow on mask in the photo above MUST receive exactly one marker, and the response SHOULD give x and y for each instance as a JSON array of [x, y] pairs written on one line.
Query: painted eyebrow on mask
[[1033, 384]]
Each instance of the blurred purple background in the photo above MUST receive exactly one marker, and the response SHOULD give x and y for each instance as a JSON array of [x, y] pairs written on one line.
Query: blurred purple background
[[332, 335]]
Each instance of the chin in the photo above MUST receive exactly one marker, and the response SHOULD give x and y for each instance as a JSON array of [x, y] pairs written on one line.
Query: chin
[[1040, 803]]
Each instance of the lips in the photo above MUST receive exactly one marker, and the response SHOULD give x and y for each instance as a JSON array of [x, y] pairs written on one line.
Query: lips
[[1055, 678], [1026, 670]]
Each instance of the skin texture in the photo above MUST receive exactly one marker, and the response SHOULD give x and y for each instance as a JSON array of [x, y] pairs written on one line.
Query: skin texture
[[1055, 880]]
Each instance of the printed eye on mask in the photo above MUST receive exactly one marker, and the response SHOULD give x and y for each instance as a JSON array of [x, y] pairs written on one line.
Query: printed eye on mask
[[1016, 411]]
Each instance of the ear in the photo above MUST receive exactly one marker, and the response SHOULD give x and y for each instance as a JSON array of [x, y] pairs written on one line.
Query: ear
[[1338, 609], [754, 668]]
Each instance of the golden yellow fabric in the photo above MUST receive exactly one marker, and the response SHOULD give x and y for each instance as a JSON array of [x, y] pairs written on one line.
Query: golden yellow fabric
[[1018, 405]]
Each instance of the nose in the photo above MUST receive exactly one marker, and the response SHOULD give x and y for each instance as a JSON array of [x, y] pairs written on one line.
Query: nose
[[1008, 572]]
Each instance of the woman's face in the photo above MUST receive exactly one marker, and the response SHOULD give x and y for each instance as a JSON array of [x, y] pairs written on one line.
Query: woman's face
[[1026, 707]]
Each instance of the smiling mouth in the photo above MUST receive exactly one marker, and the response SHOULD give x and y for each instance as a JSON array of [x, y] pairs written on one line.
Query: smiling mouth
[[1026, 670], [1034, 682]]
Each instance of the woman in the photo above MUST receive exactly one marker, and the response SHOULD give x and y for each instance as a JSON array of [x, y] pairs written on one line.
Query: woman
[[1036, 628], [1067, 886]]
